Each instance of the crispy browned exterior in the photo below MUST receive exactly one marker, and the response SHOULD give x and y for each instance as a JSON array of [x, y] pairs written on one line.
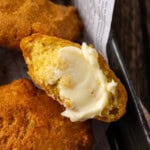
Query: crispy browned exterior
[[30, 120], [119, 109], [117, 104], [20, 18]]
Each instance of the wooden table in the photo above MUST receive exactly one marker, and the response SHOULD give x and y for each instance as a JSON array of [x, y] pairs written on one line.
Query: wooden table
[[131, 24]]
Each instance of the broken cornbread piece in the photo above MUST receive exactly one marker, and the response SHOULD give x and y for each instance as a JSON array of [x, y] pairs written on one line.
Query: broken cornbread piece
[[76, 76]]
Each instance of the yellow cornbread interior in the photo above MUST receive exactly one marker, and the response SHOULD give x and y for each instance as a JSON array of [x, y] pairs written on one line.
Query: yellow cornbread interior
[[41, 59], [40, 63]]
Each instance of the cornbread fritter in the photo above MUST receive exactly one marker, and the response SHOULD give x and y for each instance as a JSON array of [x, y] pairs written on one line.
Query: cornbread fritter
[[29, 119], [37, 50], [20, 18]]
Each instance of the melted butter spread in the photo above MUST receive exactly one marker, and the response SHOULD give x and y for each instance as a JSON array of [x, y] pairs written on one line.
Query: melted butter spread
[[83, 88]]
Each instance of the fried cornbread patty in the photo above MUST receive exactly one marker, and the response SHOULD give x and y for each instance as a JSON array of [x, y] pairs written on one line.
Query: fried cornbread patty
[[20, 18], [29, 119], [76, 76]]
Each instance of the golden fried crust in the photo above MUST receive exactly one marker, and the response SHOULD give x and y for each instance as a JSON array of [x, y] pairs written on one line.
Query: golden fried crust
[[117, 105], [119, 108], [20, 18], [31, 120]]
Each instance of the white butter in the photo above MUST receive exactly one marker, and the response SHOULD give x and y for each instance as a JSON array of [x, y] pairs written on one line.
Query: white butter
[[82, 84]]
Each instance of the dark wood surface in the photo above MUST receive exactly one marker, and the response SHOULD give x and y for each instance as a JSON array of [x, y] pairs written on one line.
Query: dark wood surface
[[131, 25]]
